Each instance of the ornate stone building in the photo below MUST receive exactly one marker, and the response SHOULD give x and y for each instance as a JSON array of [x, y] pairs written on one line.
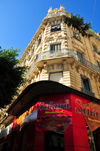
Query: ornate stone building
[[60, 53], [48, 115]]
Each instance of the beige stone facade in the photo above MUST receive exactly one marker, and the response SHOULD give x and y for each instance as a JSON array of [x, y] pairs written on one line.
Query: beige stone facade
[[60, 53]]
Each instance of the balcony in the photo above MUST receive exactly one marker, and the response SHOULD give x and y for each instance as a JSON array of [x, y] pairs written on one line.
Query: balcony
[[87, 92], [58, 14], [61, 53]]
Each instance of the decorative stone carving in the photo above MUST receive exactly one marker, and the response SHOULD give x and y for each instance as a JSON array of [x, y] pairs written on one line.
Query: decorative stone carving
[[56, 10], [45, 65], [44, 71], [91, 76], [64, 61], [97, 78], [73, 65], [50, 10], [61, 7], [39, 70], [78, 69]]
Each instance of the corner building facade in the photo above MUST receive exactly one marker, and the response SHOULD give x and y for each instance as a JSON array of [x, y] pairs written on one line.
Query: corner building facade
[[59, 109], [60, 53]]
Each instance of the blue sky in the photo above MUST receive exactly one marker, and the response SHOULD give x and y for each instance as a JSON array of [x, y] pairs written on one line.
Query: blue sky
[[19, 19]]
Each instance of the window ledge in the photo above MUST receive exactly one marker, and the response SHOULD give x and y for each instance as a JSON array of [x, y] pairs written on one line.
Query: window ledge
[[87, 92]]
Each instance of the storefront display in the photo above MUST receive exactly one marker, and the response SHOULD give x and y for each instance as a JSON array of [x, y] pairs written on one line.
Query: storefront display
[[65, 121]]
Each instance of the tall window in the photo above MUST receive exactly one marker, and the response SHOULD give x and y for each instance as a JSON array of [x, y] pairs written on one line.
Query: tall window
[[77, 36], [80, 56], [24, 62], [85, 82], [55, 28], [95, 48], [36, 57], [32, 51], [91, 140], [86, 86], [39, 41], [55, 47], [98, 63]]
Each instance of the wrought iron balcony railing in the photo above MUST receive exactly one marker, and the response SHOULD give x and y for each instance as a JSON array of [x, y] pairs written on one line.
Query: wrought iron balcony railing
[[61, 53]]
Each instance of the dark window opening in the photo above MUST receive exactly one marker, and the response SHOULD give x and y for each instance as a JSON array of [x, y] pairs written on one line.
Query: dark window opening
[[95, 48], [55, 28], [96, 135], [5, 145], [98, 63], [54, 141], [39, 41], [36, 57], [86, 86], [75, 35], [91, 140]]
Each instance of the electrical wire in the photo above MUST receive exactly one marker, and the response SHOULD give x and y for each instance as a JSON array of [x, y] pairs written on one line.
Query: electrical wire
[[94, 10]]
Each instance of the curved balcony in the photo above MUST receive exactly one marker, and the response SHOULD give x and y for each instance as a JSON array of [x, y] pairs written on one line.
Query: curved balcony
[[61, 53]]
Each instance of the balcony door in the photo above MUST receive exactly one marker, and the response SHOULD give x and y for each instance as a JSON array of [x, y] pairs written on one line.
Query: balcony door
[[55, 48]]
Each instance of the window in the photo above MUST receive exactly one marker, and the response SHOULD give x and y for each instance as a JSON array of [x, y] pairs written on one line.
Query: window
[[55, 28], [86, 86], [36, 57], [5, 145], [91, 140], [54, 141], [56, 76], [98, 63], [55, 47], [24, 62], [85, 82], [75, 35], [39, 41], [32, 51], [95, 49], [80, 56]]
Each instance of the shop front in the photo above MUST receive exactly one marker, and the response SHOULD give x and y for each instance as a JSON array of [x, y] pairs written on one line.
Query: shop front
[[65, 121]]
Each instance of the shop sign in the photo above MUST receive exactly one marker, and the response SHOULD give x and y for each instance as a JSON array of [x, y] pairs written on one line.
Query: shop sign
[[41, 109], [91, 113], [55, 118]]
